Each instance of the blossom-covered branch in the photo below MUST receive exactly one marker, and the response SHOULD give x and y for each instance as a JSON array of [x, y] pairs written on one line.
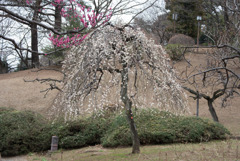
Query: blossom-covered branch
[[88, 18]]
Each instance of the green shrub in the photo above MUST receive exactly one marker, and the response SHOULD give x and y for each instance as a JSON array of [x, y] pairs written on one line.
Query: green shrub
[[22, 132], [118, 133], [192, 129], [83, 132], [155, 127], [25, 131], [174, 51], [70, 142]]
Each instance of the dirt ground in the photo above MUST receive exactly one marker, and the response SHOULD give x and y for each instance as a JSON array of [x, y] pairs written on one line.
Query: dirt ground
[[22, 95]]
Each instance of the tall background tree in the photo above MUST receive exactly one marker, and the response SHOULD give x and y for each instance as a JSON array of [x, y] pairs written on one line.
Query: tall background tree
[[187, 11], [158, 27], [222, 21]]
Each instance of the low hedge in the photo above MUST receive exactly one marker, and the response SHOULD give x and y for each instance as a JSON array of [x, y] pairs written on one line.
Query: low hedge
[[22, 132], [25, 131], [82, 132], [156, 127]]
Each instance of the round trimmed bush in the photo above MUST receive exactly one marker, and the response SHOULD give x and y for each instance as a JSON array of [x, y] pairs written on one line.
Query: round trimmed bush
[[182, 40], [25, 131], [175, 44]]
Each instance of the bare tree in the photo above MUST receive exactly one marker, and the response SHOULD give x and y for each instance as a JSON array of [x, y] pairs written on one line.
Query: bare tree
[[217, 79], [5, 52], [155, 23], [31, 12], [222, 21], [158, 28]]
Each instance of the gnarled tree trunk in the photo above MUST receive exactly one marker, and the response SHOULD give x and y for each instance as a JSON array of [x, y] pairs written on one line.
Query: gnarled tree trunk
[[212, 110], [128, 105]]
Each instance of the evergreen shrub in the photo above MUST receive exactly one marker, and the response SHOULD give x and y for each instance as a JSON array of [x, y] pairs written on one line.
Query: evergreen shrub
[[82, 132], [156, 127], [22, 132], [174, 51]]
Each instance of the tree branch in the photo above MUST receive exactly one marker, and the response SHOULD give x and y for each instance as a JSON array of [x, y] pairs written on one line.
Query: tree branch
[[43, 80], [39, 23], [17, 47], [215, 69]]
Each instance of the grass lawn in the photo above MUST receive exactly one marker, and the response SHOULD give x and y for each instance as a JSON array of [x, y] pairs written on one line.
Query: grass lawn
[[217, 150]]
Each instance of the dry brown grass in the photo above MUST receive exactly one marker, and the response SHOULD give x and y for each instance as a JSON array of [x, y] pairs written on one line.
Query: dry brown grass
[[16, 93], [218, 150]]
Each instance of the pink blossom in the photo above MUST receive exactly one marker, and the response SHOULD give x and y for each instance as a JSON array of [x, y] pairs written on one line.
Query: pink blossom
[[63, 10], [82, 20], [58, 1], [84, 36], [54, 4], [88, 20]]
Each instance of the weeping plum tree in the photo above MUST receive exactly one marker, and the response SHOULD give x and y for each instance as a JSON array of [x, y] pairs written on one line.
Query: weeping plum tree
[[118, 65]]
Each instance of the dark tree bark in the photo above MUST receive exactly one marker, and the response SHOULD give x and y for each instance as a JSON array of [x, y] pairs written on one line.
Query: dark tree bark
[[34, 42], [128, 105], [212, 110], [3, 67], [209, 100], [34, 36], [58, 18]]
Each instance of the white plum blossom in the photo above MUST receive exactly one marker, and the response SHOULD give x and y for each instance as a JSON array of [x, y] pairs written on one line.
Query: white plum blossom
[[93, 74]]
